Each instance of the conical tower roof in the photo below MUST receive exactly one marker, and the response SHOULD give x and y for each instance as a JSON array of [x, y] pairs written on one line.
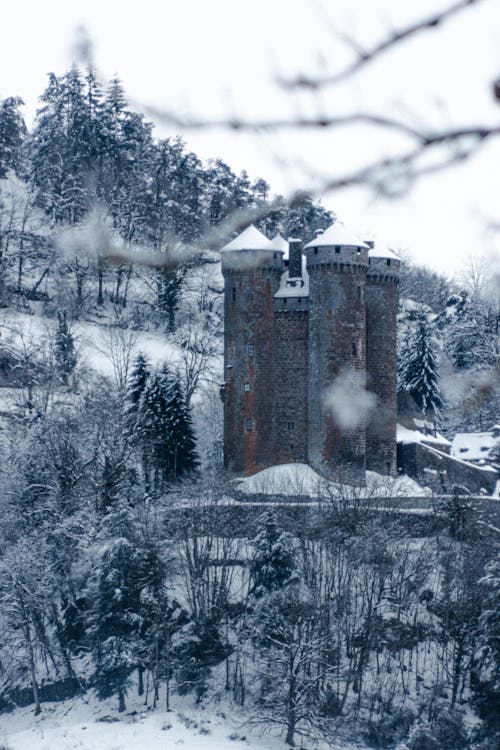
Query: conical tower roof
[[337, 234], [383, 252], [249, 239]]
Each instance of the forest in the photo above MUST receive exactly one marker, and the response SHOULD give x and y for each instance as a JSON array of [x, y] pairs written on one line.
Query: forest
[[374, 627]]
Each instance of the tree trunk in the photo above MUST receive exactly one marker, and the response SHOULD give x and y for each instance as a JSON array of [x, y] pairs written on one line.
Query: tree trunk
[[127, 282], [100, 298], [121, 701], [140, 682]]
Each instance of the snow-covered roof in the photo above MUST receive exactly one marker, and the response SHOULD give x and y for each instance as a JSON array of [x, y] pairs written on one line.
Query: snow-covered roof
[[383, 252], [294, 287], [279, 243], [405, 436], [249, 239], [337, 234], [472, 446]]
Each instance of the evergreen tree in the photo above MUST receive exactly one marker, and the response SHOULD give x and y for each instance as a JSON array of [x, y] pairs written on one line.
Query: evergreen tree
[[487, 683], [418, 369], [126, 570], [138, 379], [12, 135], [65, 354], [182, 457], [165, 428], [272, 564]]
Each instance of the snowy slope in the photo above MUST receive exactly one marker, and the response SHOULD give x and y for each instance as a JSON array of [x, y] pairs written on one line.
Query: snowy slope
[[85, 724]]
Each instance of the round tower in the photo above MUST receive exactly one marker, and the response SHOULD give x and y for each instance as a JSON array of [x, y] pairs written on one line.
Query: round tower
[[381, 358], [252, 267], [337, 263]]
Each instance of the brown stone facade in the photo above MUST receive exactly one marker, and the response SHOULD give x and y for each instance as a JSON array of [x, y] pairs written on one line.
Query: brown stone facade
[[283, 353], [381, 354], [249, 289]]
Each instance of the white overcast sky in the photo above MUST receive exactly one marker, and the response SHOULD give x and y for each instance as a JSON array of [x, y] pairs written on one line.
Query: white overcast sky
[[221, 57]]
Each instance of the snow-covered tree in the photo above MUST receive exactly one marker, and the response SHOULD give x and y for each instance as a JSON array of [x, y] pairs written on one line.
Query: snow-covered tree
[[418, 367], [272, 564], [64, 348]]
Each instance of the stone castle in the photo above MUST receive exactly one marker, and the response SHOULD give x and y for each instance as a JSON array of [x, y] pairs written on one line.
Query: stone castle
[[298, 319]]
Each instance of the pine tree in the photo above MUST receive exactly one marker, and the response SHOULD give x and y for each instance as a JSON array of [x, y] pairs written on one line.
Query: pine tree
[[418, 369], [164, 429], [488, 679], [13, 135], [125, 570], [272, 564], [182, 456], [65, 354], [138, 379]]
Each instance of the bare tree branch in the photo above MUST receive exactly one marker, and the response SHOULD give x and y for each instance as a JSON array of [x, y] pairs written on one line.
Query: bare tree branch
[[368, 56]]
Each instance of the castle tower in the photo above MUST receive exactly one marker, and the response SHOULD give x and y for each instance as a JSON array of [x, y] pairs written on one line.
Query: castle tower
[[337, 263], [291, 353], [252, 267], [381, 357]]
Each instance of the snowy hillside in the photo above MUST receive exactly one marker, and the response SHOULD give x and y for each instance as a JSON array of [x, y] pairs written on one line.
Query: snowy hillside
[[87, 724]]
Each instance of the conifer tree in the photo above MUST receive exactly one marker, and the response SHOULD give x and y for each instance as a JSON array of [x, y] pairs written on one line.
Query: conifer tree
[[272, 564], [418, 368], [65, 354], [12, 135], [164, 427], [126, 569]]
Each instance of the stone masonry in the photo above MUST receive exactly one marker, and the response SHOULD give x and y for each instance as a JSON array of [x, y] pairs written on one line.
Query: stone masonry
[[294, 327]]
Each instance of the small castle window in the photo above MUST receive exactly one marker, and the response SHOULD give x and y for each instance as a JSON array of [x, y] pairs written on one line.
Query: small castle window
[[315, 251], [284, 300], [388, 261], [360, 294], [337, 248], [249, 424], [247, 387], [359, 251], [388, 467], [463, 450], [250, 350], [275, 255], [234, 294], [291, 425], [354, 348], [291, 446]]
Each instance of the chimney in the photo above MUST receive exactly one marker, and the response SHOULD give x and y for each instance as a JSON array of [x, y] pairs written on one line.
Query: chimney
[[295, 258]]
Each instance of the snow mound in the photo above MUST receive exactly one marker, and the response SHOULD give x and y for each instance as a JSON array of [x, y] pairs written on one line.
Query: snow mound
[[293, 480], [285, 479]]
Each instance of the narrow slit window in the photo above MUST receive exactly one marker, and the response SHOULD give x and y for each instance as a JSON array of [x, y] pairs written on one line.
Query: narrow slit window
[[388, 261], [247, 387], [234, 294], [291, 425], [250, 350], [315, 251], [354, 348], [249, 424]]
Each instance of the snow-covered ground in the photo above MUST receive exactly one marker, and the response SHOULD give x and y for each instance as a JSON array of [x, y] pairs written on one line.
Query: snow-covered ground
[[86, 724], [301, 480]]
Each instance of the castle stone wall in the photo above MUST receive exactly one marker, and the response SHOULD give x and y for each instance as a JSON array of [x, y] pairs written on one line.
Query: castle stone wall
[[381, 357], [337, 344], [291, 335], [250, 284]]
